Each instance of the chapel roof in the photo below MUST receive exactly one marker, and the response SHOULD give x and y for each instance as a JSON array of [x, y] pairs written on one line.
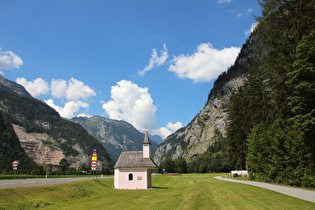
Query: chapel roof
[[134, 160]]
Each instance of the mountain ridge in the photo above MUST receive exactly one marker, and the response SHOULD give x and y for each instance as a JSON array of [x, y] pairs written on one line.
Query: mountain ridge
[[8, 85], [115, 135]]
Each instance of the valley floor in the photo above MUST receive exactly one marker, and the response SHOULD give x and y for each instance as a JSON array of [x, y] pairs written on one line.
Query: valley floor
[[189, 191]]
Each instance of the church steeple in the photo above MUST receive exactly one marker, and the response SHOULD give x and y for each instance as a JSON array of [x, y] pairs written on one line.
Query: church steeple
[[146, 138], [146, 145]]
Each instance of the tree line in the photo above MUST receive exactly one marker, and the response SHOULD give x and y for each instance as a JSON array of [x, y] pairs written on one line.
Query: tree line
[[271, 123]]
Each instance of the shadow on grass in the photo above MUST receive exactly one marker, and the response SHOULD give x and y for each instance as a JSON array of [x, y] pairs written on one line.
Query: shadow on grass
[[160, 188], [97, 180]]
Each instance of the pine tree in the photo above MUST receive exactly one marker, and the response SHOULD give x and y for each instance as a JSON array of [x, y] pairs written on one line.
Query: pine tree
[[282, 26], [301, 81], [237, 129]]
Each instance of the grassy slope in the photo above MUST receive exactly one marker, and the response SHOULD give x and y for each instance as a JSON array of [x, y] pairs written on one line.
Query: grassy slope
[[193, 191]]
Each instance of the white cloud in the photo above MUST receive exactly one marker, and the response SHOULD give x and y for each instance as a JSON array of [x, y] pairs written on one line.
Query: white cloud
[[252, 28], [69, 109], [224, 1], [174, 127], [36, 87], [73, 90], [9, 60], [84, 115], [58, 88], [169, 129], [164, 132], [77, 90], [133, 104], [205, 64], [155, 60], [245, 13]]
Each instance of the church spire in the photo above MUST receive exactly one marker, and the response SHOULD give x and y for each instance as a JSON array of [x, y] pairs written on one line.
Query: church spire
[[146, 138]]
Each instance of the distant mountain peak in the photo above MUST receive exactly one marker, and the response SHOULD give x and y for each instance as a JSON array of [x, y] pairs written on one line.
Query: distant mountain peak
[[115, 135]]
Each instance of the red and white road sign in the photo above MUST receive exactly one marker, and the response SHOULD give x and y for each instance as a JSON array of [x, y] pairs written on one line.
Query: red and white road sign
[[15, 163], [94, 155], [94, 164]]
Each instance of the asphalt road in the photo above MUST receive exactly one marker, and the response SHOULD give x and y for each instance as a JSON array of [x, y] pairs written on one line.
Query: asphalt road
[[307, 195], [40, 182]]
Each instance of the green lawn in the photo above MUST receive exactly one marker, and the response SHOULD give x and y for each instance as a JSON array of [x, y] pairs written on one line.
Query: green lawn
[[193, 191]]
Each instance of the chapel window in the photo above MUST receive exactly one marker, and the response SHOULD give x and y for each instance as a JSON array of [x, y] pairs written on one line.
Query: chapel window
[[130, 177]]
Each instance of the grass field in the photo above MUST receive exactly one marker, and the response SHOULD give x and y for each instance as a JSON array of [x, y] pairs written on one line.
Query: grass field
[[192, 191]]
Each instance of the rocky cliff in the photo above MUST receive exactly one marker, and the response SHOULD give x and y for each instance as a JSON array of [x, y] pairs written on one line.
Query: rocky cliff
[[195, 138], [39, 146]]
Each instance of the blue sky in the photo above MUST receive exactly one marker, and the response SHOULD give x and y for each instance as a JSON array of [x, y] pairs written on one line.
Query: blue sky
[[151, 63]]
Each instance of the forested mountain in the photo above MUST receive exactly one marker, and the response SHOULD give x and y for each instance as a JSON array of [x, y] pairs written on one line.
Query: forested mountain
[[10, 148], [43, 134], [267, 123], [115, 135]]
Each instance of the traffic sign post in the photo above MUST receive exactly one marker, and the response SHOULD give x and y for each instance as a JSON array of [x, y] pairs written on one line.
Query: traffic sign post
[[94, 162], [15, 164]]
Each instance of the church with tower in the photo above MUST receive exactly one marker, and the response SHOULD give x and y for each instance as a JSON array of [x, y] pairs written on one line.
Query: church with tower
[[133, 169]]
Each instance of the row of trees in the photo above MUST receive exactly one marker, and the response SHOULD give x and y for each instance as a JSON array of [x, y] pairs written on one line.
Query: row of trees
[[63, 168], [84, 168], [271, 130]]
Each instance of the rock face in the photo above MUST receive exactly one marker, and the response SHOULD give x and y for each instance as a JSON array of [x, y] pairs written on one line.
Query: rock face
[[196, 137], [115, 135], [44, 149], [39, 146]]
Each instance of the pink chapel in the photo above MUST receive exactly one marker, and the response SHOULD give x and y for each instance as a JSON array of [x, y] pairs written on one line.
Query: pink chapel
[[133, 169]]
